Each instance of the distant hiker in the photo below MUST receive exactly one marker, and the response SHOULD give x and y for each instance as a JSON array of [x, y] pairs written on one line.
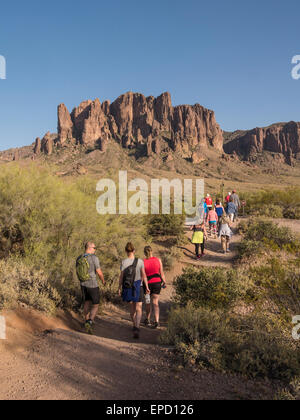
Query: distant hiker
[[225, 233], [156, 281], [219, 210], [198, 239], [236, 201], [131, 289], [87, 269], [205, 208], [231, 210], [227, 199], [212, 220], [209, 202]]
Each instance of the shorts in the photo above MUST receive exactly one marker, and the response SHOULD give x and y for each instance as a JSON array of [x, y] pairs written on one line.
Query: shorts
[[212, 223], [91, 295], [141, 299], [155, 288], [127, 295]]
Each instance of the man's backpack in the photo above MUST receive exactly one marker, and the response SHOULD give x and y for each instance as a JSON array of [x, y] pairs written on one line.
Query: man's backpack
[[82, 268], [129, 275]]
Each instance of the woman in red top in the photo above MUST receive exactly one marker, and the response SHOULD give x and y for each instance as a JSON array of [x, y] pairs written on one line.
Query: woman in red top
[[156, 280]]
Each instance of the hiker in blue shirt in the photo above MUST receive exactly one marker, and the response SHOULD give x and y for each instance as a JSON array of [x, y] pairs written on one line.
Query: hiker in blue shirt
[[232, 210]]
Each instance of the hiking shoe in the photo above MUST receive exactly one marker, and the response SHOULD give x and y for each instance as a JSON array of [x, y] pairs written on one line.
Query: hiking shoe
[[88, 326], [136, 333], [155, 325], [146, 322]]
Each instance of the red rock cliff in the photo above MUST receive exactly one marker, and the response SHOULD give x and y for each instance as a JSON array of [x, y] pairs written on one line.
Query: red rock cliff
[[135, 119]]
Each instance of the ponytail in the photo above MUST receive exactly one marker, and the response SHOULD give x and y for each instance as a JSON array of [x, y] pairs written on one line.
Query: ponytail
[[148, 251]]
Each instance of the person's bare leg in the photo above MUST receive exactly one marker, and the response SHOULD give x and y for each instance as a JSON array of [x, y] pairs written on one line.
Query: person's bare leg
[[94, 312], [148, 311], [138, 312], [87, 310], [228, 243], [223, 242], [155, 303], [132, 313]]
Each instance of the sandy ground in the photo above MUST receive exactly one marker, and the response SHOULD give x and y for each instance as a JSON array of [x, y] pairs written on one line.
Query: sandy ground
[[46, 358]]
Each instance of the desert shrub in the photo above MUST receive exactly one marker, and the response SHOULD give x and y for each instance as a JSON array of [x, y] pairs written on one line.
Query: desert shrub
[[263, 230], [292, 213], [169, 257], [271, 210], [247, 345], [248, 248], [166, 225], [289, 393], [274, 203], [260, 235], [211, 287], [46, 221], [21, 284], [278, 281]]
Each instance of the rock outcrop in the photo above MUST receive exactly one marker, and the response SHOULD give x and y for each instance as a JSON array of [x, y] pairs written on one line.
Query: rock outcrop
[[65, 124], [278, 138], [37, 146], [47, 144], [134, 120]]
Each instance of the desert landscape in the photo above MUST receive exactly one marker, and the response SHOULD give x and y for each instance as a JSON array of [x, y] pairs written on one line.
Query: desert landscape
[[111, 96]]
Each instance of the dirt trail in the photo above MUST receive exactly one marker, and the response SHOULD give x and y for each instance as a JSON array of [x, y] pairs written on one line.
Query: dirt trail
[[64, 363], [214, 257]]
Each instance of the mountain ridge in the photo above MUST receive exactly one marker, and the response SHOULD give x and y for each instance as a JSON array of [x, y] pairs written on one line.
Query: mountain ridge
[[154, 128]]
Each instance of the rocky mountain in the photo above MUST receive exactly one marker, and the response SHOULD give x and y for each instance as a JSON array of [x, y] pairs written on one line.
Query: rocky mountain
[[281, 138], [151, 125]]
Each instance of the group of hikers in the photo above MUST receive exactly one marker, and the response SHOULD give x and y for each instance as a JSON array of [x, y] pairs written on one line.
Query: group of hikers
[[219, 219], [142, 280]]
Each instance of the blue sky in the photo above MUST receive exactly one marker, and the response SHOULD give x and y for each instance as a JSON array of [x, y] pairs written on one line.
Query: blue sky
[[230, 56]]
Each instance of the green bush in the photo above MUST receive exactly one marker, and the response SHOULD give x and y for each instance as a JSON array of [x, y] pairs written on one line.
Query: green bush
[[169, 257], [211, 287], [166, 225], [274, 203], [279, 282], [45, 222], [248, 345], [271, 210], [248, 248], [263, 230], [20, 284], [261, 235]]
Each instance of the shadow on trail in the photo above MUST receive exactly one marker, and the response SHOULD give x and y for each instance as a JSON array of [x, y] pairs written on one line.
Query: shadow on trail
[[121, 330]]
